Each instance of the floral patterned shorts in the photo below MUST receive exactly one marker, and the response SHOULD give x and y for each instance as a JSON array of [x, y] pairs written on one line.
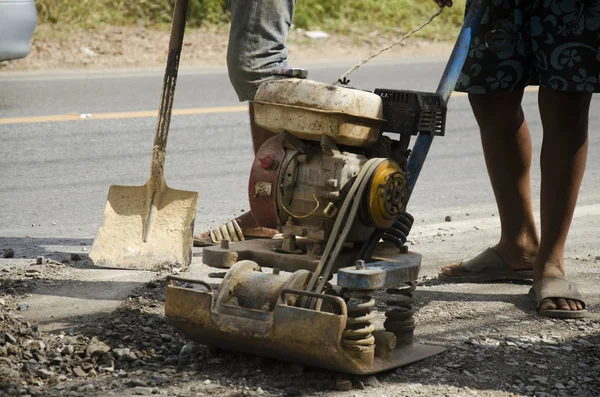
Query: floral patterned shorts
[[551, 43]]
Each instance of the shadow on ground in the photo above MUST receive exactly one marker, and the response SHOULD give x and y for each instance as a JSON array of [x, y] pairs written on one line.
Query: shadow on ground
[[58, 249], [519, 301]]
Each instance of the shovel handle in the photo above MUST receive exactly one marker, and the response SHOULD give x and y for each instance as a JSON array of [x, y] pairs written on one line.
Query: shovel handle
[[168, 92]]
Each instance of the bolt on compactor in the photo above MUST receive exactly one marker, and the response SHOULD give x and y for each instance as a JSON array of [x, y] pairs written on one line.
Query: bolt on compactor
[[335, 180]]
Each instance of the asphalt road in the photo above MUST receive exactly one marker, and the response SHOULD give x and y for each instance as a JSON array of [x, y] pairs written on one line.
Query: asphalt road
[[55, 175]]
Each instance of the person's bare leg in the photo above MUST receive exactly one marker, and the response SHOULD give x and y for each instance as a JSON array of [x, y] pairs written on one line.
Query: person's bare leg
[[257, 47], [564, 153], [507, 148], [259, 134], [246, 221]]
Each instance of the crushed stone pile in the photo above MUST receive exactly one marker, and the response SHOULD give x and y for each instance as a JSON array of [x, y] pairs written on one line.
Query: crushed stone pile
[[36, 363], [134, 351]]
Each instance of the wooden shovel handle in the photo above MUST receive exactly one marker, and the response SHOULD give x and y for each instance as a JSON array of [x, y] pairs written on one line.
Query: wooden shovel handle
[[168, 91]]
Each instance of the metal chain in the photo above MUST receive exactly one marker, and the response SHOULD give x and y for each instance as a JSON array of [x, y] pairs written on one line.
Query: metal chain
[[343, 78]]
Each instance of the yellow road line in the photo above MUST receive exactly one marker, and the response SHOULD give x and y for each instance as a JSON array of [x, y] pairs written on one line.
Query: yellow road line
[[120, 115], [147, 113]]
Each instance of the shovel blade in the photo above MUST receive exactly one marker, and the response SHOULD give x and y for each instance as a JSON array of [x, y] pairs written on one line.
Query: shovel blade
[[167, 243]]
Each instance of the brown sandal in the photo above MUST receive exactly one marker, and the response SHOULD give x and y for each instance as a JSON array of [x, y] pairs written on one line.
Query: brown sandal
[[550, 287], [233, 232], [485, 267], [226, 231]]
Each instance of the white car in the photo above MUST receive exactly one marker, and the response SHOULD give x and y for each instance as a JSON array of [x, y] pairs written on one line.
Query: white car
[[17, 22]]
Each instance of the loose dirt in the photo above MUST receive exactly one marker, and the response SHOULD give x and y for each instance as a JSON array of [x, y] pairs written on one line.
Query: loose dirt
[[137, 47], [497, 346]]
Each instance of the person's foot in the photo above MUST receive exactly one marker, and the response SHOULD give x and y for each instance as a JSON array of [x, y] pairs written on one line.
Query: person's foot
[[516, 258], [237, 229], [251, 228], [560, 304], [554, 270]]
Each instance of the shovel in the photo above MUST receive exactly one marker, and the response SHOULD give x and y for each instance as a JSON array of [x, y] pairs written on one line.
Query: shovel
[[150, 227]]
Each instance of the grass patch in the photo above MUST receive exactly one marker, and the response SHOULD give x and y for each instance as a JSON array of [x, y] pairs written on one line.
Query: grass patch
[[337, 16], [398, 16], [91, 13]]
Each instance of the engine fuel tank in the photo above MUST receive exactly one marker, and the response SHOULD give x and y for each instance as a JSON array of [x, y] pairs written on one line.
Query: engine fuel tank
[[309, 109]]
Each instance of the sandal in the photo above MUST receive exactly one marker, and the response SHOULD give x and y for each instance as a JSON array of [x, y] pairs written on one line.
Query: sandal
[[485, 267], [227, 231], [233, 232], [550, 287]]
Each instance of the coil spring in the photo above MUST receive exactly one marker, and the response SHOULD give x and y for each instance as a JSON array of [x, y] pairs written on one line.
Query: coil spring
[[399, 231], [397, 234], [359, 328], [328, 285], [328, 290], [399, 320]]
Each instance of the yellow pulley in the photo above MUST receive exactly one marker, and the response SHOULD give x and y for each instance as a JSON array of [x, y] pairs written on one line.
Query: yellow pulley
[[387, 195]]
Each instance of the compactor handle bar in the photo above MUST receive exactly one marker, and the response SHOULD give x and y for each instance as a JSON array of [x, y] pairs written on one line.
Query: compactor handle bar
[[446, 86]]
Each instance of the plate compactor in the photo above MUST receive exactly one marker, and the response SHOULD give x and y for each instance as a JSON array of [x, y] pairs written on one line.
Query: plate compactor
[[335, 180]]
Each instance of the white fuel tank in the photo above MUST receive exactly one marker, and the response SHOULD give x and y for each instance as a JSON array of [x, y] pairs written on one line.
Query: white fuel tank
[[309, 109]]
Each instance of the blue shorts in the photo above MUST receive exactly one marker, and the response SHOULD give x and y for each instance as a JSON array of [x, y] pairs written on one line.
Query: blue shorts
[[550, 43]]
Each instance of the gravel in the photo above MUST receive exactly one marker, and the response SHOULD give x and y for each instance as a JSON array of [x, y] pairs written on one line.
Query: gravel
[[134, 351]]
